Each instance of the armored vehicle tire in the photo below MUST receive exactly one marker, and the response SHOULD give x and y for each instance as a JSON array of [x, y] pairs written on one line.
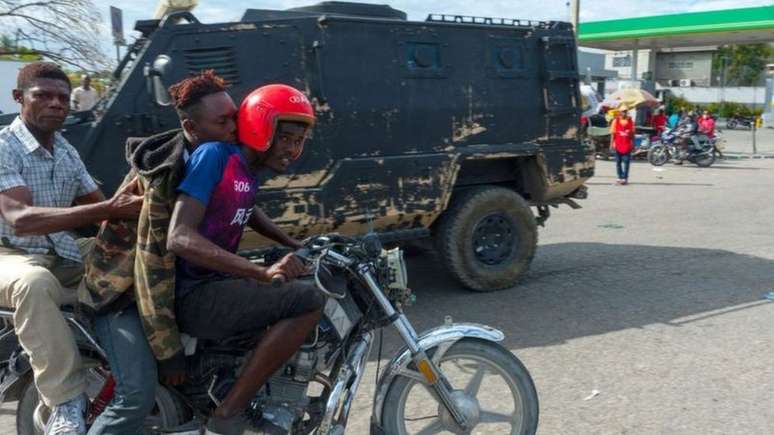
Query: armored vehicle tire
[[487, 237]]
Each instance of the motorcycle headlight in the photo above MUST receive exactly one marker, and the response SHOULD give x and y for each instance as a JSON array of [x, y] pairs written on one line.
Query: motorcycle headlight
[[396, 266]]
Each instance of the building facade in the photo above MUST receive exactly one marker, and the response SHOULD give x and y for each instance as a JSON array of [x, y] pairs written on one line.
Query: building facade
[[668, 67]]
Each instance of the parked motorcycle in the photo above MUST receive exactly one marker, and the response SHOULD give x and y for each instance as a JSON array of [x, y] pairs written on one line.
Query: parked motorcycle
[[432, 384], [739, 121], [596, 134], [642, 144], [668, 149]]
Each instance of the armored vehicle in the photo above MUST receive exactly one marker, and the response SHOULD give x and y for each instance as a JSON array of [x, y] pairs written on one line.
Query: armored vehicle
[[455, 127]]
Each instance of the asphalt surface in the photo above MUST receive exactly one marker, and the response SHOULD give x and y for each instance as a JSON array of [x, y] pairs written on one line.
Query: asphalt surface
[[740, 141], [652, 296], [643, 312]]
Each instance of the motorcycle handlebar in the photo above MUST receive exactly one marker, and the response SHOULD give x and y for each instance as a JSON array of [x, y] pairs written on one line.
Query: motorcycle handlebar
[[278, 280]]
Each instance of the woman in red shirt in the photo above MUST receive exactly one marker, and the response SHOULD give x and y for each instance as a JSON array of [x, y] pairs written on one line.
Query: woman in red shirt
[[707, 124], [659, 122], [622, 143]]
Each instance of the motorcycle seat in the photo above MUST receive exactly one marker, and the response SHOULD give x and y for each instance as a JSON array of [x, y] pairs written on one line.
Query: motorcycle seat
[[246, 340], [69, 309]]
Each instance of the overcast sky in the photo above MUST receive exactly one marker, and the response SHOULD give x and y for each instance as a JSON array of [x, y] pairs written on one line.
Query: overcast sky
[[213, 11]]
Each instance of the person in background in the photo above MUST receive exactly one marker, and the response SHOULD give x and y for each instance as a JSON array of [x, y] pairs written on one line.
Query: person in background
[[659, 121], [707, 124], [84, 97], [645, 116], [622, 143], [675, 118]]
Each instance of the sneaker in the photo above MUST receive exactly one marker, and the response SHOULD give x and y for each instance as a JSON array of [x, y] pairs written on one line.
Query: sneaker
[[241, 425], [68, 418]]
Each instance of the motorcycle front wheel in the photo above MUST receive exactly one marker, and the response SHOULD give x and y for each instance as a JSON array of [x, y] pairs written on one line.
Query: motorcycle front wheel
[[658, 155], [491, 386]]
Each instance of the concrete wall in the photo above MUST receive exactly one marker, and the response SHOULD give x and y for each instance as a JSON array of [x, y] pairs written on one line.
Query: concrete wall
[[752, 96], [9, 69]]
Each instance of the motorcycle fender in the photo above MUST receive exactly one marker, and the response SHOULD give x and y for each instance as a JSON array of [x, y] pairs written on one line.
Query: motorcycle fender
[[445, 335], [13, 377]]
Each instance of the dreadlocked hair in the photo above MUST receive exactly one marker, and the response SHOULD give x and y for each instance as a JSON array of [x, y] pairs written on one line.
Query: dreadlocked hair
[[187, 93], [40, 70]]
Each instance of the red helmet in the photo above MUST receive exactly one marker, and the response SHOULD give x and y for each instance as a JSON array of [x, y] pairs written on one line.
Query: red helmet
[[265, 107]]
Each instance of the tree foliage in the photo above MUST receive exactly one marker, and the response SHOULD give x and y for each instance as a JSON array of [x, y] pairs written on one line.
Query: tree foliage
[[744, 65], [65, 31]]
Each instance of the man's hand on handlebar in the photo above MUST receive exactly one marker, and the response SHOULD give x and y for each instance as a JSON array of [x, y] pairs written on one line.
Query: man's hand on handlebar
[[288, 268]]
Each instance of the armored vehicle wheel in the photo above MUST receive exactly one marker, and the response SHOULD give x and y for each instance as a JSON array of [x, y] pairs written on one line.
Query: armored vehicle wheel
[[487, 238]]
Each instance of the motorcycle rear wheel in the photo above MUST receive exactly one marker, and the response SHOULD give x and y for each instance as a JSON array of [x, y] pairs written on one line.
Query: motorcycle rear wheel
[[705, 161], [168, 412], [466, 365], [658, 155]]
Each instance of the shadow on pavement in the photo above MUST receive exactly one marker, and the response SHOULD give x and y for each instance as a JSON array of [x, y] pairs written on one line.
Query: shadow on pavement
[[583, 289], [734, 168], [646, 183]]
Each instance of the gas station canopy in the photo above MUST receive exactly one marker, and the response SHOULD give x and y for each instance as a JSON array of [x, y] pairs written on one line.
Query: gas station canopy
[[729, 26]]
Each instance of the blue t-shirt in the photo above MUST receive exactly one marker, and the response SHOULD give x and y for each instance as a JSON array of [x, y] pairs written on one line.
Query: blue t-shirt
[[673, 120], [217, 175]]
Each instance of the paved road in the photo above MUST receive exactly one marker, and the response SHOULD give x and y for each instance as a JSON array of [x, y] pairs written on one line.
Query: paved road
[[740, 140], [652, 295]]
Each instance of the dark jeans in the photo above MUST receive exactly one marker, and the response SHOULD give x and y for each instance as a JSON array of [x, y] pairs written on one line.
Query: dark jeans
[[133, 367], [226, 308], [622, 162]]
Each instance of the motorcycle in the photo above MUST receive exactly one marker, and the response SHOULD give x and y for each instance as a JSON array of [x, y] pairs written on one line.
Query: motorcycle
[[596, 134], [432, 384], [735, 121], [668, 149], [642, 144]]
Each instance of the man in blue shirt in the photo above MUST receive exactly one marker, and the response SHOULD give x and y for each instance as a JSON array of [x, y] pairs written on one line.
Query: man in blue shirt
[[220, 294], [675, 118]]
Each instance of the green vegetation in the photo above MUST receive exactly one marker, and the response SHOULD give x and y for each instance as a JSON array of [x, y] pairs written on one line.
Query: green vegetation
[[722, 110], [9, 51], [742, 65], [726, 109]]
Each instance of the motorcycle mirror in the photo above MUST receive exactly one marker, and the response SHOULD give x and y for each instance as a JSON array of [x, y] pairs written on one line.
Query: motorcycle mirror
[[153, 79]]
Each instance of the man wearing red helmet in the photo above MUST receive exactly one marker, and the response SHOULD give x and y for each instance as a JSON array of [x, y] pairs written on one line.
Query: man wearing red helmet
[[218, 293]]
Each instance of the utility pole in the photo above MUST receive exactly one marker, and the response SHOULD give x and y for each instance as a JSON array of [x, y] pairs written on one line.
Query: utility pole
[[723, 60], [575, 16], [755, 120]]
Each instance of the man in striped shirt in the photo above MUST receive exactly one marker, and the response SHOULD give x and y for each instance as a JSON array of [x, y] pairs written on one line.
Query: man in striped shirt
[[45, 193]]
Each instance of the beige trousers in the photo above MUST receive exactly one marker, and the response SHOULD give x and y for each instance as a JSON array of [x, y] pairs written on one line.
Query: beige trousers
[[36, 286]]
